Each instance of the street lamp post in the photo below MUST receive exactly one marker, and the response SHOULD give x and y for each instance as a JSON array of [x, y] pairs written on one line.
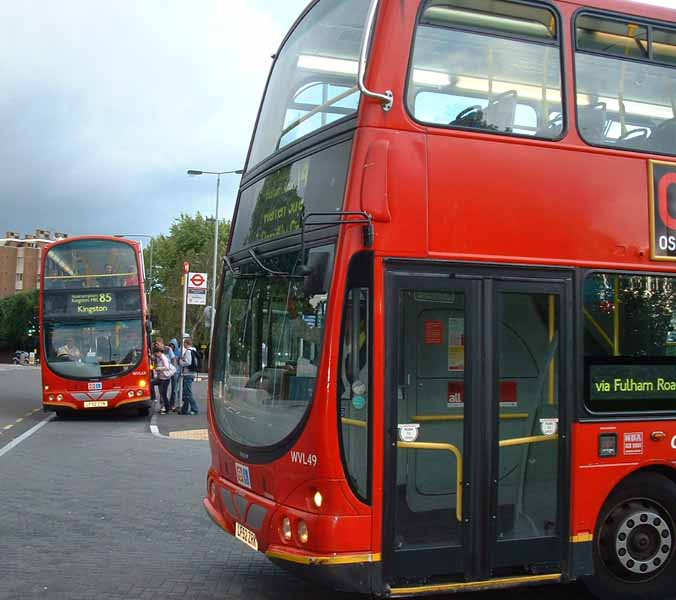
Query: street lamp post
[[193, 173]]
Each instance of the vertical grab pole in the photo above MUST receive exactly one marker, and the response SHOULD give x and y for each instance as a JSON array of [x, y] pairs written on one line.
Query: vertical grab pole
[[552, 364], [616, 318]]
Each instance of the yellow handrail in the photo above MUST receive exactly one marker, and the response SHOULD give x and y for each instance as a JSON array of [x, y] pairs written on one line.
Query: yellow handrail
[[458, 458], [533, 439], [433, 418], [598, 328], [354, 422]]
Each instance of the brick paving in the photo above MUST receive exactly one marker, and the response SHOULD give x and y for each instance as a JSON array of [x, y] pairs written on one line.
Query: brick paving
[[97, 508]]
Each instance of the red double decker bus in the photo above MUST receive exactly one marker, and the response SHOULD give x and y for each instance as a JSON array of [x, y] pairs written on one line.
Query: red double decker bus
[[445, 350], [94, 349]]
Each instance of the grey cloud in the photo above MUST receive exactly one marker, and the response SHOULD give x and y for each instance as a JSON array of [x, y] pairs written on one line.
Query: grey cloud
[[103, 106]]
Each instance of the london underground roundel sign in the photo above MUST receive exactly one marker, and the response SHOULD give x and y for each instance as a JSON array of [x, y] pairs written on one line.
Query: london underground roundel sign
[[197, 280]]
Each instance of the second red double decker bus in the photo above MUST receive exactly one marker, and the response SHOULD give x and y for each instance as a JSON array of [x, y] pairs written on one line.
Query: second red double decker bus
[[94, 344], [443, 359]]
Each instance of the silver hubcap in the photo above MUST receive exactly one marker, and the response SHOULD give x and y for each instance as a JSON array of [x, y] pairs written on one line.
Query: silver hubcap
[[643, 542]]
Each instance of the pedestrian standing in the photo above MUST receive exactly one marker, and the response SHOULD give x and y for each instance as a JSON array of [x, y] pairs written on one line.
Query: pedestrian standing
[[164, 371], [172, 355], [159, 341], [189, 366]]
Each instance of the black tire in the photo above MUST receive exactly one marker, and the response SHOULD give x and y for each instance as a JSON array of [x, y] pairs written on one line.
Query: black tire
[[635, 543], [143, 411]]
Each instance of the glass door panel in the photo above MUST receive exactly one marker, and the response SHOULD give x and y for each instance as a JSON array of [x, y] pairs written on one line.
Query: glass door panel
[[476, 360], [529, 415], [431, 419]]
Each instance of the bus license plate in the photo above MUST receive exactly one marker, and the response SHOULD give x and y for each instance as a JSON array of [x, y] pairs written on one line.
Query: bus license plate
[[246, 535], [96, 404]]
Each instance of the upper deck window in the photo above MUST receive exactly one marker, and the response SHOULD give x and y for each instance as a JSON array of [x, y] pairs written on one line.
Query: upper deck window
[[487, 64], [664, 46], [91, 264], [314, 79], [626, 90]]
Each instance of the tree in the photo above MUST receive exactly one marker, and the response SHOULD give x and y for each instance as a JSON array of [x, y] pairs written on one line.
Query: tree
[[190, 239], [18, 321]]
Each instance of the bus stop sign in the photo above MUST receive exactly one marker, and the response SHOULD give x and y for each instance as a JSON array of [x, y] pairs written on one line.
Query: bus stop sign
[[197, 288]]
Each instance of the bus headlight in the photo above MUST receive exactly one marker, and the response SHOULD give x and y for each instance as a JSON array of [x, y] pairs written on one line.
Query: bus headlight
[[286, 529], [130, 393], [142, 383], [51, 397], [318, 499], [59, 397], [139, 392], [302, 532]]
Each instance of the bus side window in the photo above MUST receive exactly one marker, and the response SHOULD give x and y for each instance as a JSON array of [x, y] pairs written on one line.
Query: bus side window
[[489, 65], [354, 381]]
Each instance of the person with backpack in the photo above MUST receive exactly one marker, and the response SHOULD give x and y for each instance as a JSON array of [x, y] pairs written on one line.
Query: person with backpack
[[190, 365]]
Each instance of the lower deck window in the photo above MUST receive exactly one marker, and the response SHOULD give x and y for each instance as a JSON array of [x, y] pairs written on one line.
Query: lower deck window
[[630, 342]]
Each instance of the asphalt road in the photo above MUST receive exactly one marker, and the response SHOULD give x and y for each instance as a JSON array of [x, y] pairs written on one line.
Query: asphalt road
[[20, 404], [99, 508]]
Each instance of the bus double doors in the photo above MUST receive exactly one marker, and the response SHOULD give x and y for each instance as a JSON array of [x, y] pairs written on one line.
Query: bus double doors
[[478, 361]]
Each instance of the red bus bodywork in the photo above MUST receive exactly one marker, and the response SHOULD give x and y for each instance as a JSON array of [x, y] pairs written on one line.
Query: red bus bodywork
[[460, 197], [130, 390]]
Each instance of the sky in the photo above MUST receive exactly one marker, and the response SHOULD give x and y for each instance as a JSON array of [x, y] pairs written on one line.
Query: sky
[[105, 105]]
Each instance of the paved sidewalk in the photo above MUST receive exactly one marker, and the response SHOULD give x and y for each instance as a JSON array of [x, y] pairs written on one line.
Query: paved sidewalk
[[190, 427]]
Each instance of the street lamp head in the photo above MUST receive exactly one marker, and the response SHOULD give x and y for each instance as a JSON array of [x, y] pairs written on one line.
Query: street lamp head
[[193, 172]]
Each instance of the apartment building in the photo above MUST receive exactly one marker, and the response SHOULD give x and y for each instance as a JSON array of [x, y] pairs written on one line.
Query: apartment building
[[20, 260]]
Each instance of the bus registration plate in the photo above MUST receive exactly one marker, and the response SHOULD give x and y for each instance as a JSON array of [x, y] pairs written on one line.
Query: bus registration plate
[[96, 404], [246, 535]]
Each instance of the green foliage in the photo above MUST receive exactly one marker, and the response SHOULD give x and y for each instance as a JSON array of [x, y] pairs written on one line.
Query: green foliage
[[190, 239], [18, 321]]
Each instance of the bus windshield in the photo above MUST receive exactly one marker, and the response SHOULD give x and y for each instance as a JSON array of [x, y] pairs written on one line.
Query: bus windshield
[[93, 349], [314, 79], [267, 345], [92, 309]]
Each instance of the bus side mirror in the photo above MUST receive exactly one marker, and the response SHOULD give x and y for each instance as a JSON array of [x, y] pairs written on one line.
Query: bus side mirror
[[149, 326]]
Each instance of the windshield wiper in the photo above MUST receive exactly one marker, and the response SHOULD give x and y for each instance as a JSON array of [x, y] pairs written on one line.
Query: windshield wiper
[[314, 111], [269, 271], [237, 273]]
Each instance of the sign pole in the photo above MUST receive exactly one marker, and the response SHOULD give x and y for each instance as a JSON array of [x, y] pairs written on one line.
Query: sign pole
[[186, 270]]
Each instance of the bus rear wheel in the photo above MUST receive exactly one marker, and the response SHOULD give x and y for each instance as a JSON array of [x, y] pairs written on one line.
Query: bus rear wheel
[[634, 548]]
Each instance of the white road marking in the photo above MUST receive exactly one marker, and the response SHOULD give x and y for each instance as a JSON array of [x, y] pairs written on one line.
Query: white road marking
[[15, 442]]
